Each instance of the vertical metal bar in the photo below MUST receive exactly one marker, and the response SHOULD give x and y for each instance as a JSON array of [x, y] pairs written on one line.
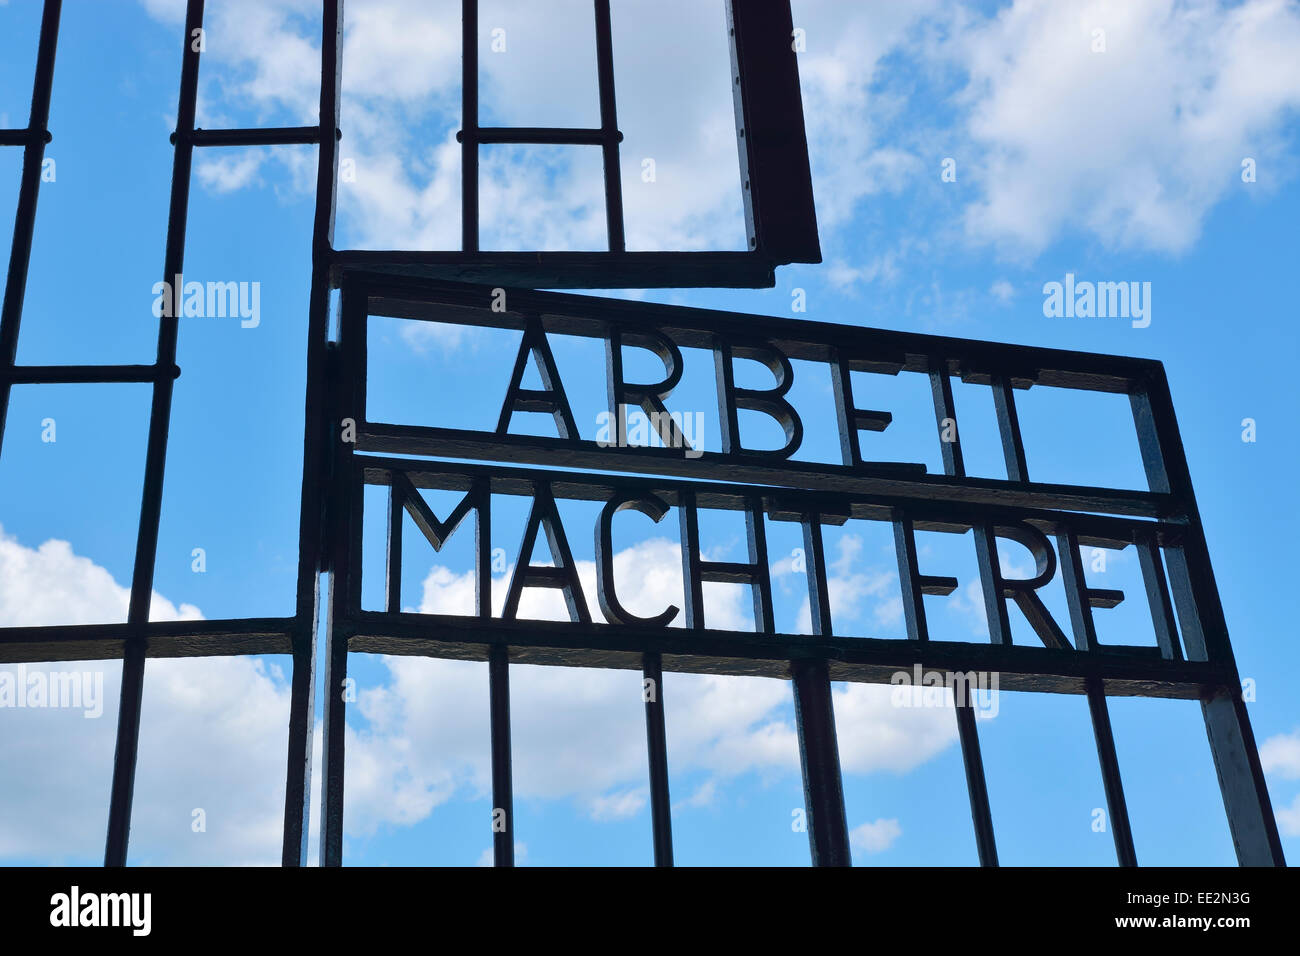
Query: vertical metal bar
[[1013, 447], [335, 718], [995, 605], [819, 595], [469, 126], [302, 701], [692, 578], [819, 759], [503, 809], [344, 380], [1227, 724], [146, 549], [776, 182], [1162, 611], [972, 758], [819, 754], [909, 577], [976, 787], [945, 408], [1076, 591], [20, 251], [393, 551], [657, 753], [1116, 807], [609, 128]]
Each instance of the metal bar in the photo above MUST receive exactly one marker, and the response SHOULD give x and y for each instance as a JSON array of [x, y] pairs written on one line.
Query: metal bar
[[538, 135], [315, 461], [561, 270], [1013, 446], [782, 503], [819, 755], [146, 550], [945, 409], [469, 126], [717, 651], [903, 483], [661, 813], [1157, 590], [819, 759], [1227, 724], [33, 140], [81, 374], [1117, 808], [465, 302], [335, 724], [610, 136], [23, 137], [84, 642], [393, 551], [270, 136], [776, 181], [344, 378], [976, 787], [503, 809]]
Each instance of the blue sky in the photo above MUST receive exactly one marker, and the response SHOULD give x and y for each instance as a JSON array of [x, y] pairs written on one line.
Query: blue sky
[[1122, 164]]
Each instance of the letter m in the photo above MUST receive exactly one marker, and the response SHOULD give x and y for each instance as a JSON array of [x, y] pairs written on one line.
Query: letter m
[[119, 906], [220, 296], [405, 498], [65, 689], [1115, 297]]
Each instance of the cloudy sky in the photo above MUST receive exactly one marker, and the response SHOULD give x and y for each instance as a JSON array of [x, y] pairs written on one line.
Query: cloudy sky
[[1104, 139]]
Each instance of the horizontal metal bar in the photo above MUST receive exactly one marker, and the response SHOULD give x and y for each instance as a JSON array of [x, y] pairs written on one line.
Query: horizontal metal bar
[[972, 359], [567, 270], [21, 137], [87, 642], [69, 374], [926, 514], [885, 479], [744, 653], [541, 135], [270, 136]]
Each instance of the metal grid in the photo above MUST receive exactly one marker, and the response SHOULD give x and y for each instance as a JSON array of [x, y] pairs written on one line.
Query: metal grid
[[1192, 657], [776, 183], [1196, 663]]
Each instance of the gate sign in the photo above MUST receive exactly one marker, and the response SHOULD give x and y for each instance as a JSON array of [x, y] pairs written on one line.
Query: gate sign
[[674, 478]]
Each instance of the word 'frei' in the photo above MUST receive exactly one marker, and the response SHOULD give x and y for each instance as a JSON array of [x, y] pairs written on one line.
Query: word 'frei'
[[1102, 300], [132, 910], [53, 689], [684, 431], [975, 689], [210, 300]]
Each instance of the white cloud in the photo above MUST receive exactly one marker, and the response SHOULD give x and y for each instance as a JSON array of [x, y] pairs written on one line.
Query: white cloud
[[212, 735], [1280, 755], [1002, 290], [230, 172], [52, 585], [1132, 145], [618, 806], [875, 837]]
